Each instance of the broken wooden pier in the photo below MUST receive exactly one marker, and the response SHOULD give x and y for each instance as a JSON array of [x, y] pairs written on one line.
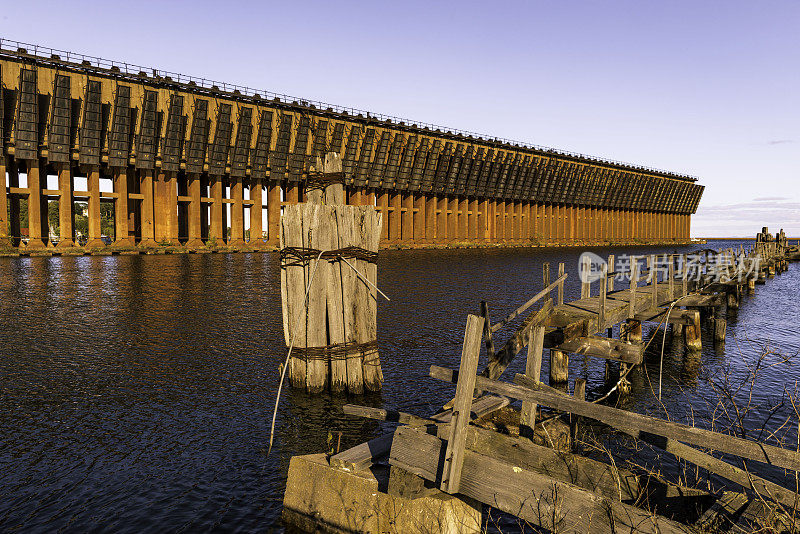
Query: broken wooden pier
[[481, 451]]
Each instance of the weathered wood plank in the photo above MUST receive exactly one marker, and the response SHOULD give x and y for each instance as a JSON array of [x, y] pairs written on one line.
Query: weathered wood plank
[[699, 301], [538, 296], [364, 455], [483, 405], [610, 274], [623, 420], [379, 414], [371, 232], [765, 488], [316, 235], [556, 506], [601, 307], [533, 369], [609, 481], [293, 289], [335, 297], [586, 286], [579, 393], [487, 330], [634, 285], [480, 407], [348, 218], [528, 382], [603, 347], [454, 454], [676, 316], [725, 508]]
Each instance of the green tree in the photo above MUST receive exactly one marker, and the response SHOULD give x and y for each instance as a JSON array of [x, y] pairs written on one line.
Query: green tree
[[107, 226], [81, 221], [53, 217]]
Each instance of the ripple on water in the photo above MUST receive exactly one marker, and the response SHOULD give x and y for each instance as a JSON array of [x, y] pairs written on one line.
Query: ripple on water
[[136, 391]]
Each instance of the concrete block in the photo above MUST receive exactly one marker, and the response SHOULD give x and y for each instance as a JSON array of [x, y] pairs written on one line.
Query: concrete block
[[322, 498]]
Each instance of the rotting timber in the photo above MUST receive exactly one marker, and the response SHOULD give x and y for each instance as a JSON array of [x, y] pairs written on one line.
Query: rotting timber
[[190, 161], [433, 474]]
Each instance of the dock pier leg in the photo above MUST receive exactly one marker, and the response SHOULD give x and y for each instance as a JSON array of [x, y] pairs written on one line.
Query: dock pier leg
[[559, 367], [720, 327], [691, 333]]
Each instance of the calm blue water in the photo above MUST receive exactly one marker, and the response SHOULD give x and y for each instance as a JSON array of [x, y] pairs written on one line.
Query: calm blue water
[[136, 391]]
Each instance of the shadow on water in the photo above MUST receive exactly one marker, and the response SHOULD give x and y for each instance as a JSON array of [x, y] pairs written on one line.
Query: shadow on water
[[136, 391]]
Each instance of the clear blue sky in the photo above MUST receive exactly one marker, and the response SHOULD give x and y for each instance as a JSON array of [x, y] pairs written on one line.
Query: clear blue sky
[[707, 88]]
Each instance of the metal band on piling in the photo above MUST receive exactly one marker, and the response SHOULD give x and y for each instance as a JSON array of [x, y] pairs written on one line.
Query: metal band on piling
[[301, 256], [337, 351]]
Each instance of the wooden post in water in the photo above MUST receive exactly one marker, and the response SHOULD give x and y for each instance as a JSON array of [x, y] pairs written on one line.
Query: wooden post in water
[[579, 393], [691, 333], [559, 366], [720, 326], [533, 369], [329, 249], [586, 287]]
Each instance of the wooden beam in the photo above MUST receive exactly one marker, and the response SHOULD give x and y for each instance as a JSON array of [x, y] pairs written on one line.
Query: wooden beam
[[465, 388], [676, 316], [501, 360], [533, 370], [480, 407], [699, 301], [380, 414], [554, 505], [607, 480], [747, 480], [601, 305], [487, 330], [603, 347], [528, 382], [363, 456], [586, 286], [538, 296], [622, 419]]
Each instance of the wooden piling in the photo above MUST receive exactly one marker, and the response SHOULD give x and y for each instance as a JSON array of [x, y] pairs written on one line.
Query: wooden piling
[[332, 242], [348, 225], [533, 370], [559, 366], [293, 287], [579, 393], [631, 331], [720, 327], [691, 333], [316, 229], [373, 374]]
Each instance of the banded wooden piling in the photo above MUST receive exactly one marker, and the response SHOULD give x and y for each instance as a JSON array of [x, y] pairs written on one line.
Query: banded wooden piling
[[328, 250]]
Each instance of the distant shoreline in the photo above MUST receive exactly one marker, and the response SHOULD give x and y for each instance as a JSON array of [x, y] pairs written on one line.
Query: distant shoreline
[[739, 238]]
